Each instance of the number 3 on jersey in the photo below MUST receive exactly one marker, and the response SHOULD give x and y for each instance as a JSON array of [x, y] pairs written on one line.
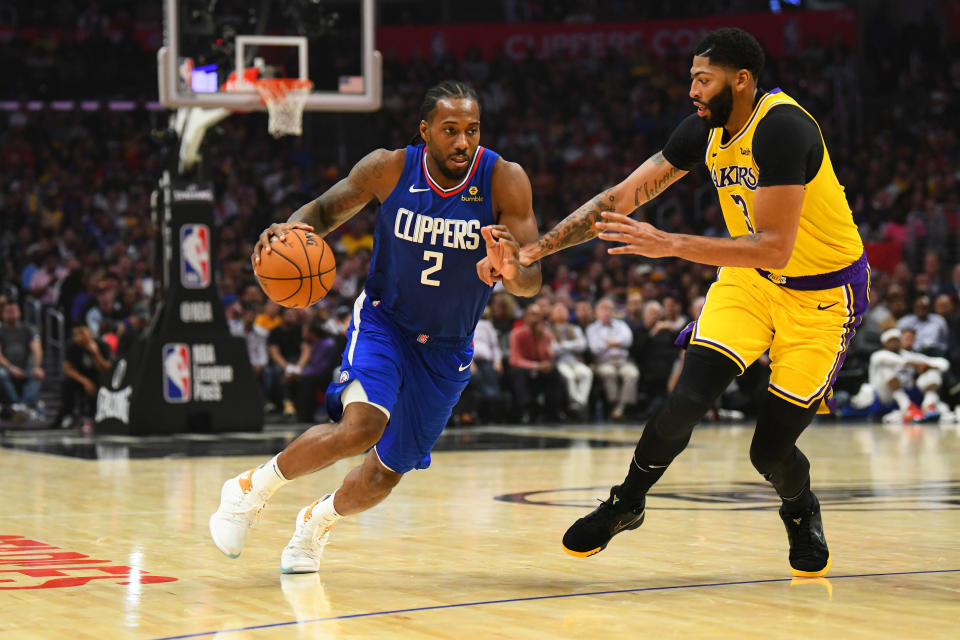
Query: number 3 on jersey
[[740, 202], [425, 278]]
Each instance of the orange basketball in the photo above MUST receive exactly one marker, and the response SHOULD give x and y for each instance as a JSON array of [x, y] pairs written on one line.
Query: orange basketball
[[298, 271]]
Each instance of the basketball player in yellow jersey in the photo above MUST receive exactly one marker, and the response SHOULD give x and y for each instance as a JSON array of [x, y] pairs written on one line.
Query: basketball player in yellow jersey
[[793, 280]]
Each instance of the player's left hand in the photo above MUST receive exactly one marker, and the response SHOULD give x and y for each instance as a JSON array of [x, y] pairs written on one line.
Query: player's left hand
[[640, 238], [503, 253]]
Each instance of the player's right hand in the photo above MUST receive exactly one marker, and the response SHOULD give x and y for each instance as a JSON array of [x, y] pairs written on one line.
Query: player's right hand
[[276, 230]]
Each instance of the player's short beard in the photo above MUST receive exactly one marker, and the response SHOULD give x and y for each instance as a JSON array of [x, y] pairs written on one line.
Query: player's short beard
[[720, 107], [447, 172]]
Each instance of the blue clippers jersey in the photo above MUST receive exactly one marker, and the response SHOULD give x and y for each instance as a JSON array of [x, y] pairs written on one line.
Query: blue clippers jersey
[[426, 247]]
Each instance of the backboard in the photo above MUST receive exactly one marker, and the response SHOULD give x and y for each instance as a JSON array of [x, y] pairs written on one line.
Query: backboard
[[329, 42]]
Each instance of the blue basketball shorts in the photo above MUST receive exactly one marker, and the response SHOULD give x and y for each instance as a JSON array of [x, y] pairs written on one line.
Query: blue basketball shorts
[[417, 384]]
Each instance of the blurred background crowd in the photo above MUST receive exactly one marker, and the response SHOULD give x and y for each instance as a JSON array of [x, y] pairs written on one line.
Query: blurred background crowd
[[598, 342]]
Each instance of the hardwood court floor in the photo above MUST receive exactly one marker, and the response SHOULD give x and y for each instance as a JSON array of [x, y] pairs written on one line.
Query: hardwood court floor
[[470, 548]]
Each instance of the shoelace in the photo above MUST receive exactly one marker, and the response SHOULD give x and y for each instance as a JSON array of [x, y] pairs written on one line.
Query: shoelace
[[605, 505], [308, 543]]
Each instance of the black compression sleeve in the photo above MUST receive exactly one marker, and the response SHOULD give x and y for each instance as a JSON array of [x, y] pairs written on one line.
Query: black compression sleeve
[[687, 143], [787, 147]]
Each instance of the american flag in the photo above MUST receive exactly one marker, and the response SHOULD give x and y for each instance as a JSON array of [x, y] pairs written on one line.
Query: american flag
[[351, 84]]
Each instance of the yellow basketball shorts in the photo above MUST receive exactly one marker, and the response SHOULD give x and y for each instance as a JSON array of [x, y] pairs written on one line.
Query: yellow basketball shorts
[[806, 331]]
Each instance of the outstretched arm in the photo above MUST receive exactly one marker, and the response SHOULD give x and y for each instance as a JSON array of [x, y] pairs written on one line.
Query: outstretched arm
[[640, 187], [373, 177], [513, 202], [777, 217], [788, 152]]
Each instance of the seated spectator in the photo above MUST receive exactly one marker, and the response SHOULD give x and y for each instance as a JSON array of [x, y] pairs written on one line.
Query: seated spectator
[[288, 353], [533, 367], [255, 336], [930, 328], [86, 358], [569, 346], [673, 314], [657, 353], [898, 381], [609, 339], [270, 318], [583, 312], [45, 281], [21, 360], [338, 323], [106, 308], [318, 370], [481, 398], [133, 329]]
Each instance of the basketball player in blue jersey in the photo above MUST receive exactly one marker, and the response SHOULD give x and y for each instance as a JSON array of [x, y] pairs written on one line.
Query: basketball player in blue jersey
[[445, 205]]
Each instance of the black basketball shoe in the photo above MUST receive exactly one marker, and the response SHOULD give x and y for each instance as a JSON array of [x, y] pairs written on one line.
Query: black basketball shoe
[[591, 533], [809, 555]]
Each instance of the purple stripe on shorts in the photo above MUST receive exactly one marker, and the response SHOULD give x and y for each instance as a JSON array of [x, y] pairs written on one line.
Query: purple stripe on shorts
[[727, 350], [859, 289]]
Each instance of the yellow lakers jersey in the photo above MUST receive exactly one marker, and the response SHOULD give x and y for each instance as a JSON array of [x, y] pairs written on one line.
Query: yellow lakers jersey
[[827, 239]]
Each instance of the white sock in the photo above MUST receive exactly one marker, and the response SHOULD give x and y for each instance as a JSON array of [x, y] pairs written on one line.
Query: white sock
[[324, 508], [903, 400], [268, 477], [930, 400]]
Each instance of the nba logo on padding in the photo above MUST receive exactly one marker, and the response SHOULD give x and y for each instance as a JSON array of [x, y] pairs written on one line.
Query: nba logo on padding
[[195, 256], [176, 372]]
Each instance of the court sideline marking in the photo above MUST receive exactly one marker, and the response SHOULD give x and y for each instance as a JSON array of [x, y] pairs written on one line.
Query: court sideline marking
[[533, 598]]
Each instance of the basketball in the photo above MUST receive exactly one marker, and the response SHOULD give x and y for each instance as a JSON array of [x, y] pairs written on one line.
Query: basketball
[[298, 270]]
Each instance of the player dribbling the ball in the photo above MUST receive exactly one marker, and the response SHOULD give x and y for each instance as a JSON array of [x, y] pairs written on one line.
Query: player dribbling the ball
[[445, 205]]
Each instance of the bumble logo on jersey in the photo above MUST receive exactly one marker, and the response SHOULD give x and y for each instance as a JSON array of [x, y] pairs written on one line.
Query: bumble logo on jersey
[[473, 197]]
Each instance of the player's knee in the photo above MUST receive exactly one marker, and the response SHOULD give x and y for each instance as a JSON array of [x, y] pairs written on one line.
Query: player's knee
[[687, 404], [381, 480], [358, 436], [705, 375], [929, 380], [764, 457]]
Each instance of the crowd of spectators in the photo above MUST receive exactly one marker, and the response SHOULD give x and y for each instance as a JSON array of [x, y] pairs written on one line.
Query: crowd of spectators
[[76, 234]]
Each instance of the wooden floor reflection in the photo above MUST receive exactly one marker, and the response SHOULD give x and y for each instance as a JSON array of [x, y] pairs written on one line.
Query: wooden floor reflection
[[117, 548]]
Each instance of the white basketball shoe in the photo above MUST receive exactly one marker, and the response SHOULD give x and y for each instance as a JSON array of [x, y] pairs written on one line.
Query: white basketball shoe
[[240, 509], [302, 553]]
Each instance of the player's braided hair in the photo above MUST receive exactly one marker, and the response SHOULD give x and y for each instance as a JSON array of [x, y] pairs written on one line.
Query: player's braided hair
[[732, 47], [446, 89]]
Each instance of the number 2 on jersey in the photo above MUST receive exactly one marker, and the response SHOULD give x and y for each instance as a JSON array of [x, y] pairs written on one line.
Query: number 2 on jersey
[[740, 202], [438, 264]]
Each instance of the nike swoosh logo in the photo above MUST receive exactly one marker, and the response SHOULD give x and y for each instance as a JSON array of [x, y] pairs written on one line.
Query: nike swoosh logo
[[821, 307], [415, 190], [623, 524], [467, 366], [246, 482]]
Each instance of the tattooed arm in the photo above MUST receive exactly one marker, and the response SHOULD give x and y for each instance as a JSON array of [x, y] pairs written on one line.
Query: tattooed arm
[[374, 176], [640, 187]]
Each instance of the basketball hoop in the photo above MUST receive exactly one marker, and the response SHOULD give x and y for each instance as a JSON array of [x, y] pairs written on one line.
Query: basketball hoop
[[285, 99]]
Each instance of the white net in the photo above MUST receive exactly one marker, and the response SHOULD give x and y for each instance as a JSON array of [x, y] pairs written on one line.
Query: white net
[[285, 99]]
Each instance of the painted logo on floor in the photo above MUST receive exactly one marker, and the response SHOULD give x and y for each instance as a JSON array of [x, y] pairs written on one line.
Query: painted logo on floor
[[757, 496], [31, 564]]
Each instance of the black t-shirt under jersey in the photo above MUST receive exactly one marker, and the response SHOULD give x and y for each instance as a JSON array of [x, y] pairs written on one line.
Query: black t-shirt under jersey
[[786, 146]]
